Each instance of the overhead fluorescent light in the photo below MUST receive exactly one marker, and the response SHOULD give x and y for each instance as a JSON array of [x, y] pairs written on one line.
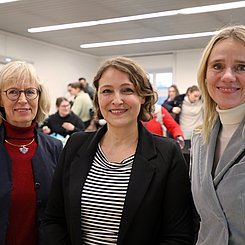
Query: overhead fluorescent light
[[212, 8], [194, 10], [101, 22], [7, 59], [8, 1], [147, 40]]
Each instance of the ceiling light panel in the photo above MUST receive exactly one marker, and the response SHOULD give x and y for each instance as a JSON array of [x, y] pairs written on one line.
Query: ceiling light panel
[[8, 1], [193, 10]]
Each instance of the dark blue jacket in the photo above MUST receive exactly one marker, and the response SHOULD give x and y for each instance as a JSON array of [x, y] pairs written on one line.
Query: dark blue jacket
[[177, 102], [43, 163]]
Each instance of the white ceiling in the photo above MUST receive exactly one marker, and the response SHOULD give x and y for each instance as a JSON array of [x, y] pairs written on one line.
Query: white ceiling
[[17, 17]]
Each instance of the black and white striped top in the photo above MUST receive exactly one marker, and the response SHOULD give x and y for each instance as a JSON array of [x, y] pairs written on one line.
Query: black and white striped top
[[102, 199]]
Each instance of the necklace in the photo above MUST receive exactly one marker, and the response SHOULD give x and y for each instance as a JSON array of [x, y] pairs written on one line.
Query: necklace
[[22, 148]]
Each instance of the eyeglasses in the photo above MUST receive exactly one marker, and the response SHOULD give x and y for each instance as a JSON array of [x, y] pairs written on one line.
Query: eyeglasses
[[14, 93], [65, 106]]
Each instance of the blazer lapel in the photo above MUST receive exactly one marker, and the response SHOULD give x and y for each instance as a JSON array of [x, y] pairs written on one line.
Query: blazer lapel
[[79, 168], [141, 176], [233, 150], [205, 172], [207, 154], [83, 159]]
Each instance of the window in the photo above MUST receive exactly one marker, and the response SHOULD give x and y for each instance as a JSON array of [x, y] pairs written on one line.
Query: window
[[161, 81]]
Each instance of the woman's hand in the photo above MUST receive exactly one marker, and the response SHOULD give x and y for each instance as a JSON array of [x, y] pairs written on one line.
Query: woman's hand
[[68, 126], [46, 130], [176, 110]]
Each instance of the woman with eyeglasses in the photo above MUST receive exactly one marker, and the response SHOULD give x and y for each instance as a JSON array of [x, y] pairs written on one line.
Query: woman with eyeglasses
[[27, 156], [63, 122]]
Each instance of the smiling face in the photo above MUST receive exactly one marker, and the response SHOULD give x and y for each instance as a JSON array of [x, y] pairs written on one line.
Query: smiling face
[[22, 111], [64, 108], [118, 100], [225, 75]]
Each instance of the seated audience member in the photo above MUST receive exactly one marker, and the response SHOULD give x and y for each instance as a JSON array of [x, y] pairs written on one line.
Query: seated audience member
[[64, 122], [87, 88], [162, 121], [168, 103], [83, 105]]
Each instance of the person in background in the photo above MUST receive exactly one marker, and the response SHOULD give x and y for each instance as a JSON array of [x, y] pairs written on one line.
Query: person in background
[[64, 122], [191, 115], [121, 184], [218, 149], [168, 103], [69, 94], [162, 122], [28, 157], [87, 88], [83, 105]]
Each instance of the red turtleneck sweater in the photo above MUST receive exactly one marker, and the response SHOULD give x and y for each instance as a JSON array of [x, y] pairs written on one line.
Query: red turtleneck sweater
[[22, 229]]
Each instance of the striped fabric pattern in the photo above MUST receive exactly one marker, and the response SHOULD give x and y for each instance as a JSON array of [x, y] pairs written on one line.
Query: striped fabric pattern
[[102, 199]]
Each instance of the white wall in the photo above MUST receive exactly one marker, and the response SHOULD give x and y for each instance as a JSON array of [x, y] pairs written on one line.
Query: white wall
[[56, 66], [59, 66], [156, 62], [184, 65]]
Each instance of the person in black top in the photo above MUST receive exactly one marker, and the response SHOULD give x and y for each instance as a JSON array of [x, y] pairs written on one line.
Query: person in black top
[[168, 103], [64, 122]]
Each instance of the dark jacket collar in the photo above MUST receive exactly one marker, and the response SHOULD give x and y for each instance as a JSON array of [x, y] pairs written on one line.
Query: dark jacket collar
[[142, 172]]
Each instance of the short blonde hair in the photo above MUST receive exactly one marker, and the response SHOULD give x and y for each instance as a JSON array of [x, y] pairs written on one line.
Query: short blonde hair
[[137, 76], [21, 72], [236, 32]]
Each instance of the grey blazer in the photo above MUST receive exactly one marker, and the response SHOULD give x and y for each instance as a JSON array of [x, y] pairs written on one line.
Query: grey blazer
[[220, 202]]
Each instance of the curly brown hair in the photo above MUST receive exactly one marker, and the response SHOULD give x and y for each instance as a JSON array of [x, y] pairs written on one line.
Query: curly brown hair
[[137, 76]]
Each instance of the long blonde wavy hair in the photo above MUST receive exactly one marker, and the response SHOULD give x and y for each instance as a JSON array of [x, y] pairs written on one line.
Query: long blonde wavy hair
[[236, 32]]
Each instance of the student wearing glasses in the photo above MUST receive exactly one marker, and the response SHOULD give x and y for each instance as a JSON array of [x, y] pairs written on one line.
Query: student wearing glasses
[[64, 121], [28, 157]]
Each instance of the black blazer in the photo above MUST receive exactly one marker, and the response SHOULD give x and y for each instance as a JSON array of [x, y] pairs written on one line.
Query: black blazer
[[158, 204]]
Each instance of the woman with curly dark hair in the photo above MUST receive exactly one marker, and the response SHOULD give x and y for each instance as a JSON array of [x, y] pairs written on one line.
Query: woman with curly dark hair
[[121, 184]]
